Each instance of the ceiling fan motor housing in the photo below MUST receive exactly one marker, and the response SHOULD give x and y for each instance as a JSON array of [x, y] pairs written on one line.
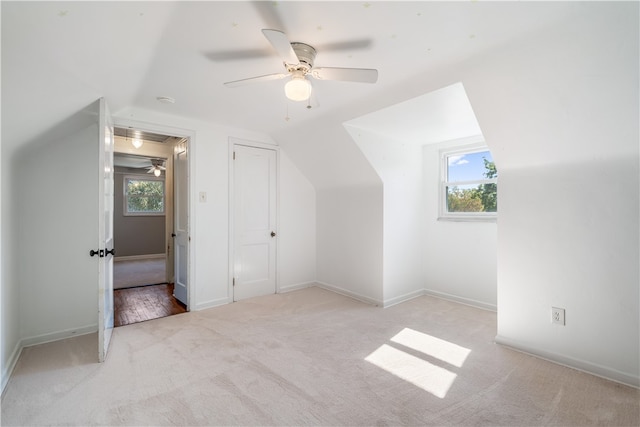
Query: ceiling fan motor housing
[[306, 55]]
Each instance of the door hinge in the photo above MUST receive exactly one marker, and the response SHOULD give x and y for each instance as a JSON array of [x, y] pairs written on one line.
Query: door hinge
[[234, 155], [234, 281]]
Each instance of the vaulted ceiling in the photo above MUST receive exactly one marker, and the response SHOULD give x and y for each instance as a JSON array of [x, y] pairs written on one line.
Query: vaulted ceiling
[[57, 57]]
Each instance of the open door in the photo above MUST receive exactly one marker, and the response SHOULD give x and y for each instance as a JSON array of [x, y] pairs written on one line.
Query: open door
[[106, 250], [181, 221]]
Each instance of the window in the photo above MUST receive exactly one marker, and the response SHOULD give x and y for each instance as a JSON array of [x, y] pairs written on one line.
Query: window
[[143, 196], [469, 187]]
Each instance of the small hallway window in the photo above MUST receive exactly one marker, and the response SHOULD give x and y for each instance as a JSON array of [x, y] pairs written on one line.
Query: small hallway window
[[143, 196], [469, 184]]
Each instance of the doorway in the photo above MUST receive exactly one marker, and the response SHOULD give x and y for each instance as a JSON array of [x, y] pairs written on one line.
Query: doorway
[[146, 200]]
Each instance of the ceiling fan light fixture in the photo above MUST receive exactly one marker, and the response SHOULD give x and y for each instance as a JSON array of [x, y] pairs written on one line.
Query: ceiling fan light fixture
[[298, 88], [157, 172], [137, 143]]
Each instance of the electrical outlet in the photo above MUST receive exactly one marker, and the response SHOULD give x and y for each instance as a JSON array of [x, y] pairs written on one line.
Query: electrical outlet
[[557, 315]]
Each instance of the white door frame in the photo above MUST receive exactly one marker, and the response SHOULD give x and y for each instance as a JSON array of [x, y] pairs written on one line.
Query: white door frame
[[233, 141], [190, 135]]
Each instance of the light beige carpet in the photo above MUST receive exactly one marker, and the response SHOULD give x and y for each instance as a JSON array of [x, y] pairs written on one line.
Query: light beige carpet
[[309, 357]]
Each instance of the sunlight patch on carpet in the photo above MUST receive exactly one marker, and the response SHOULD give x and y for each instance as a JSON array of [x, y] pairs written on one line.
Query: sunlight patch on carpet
[[443, 350], [415, 370]]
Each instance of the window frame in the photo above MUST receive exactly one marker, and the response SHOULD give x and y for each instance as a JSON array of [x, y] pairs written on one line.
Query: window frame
[[125, 204], [443, 213]]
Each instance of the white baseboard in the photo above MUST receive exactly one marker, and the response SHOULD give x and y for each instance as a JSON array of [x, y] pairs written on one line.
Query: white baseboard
[[461, 300], [570, 362], [60, 335], [296, 287], [349, 294], [403, 298], [212, 303], [8, 368], [139, 257], [41, 339]]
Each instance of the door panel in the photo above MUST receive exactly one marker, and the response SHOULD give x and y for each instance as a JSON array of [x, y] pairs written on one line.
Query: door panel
[[255, 222], [181, 220], [105, 227]]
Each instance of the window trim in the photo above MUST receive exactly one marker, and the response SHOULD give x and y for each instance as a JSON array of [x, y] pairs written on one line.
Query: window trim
[[443, 214], [125, 204]]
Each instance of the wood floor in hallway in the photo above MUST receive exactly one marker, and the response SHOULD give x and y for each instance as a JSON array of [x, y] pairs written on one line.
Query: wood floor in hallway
[[134, 305]]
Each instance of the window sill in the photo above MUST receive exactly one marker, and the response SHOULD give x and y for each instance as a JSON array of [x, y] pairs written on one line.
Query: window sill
[[492, 218], [143, 214]]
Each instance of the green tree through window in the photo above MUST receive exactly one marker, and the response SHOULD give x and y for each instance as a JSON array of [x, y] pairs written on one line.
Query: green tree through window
[[470, 183], [483, 198], [144, 196]]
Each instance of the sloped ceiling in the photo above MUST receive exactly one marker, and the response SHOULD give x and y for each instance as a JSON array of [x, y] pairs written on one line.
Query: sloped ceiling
[[57, 57], [442, 115]]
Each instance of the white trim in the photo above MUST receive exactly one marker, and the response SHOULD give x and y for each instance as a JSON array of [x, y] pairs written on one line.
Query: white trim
[[212, 303], [477, 217], [570, 362], [139, 257], [59, 335], [441, 295], [403, 298], [231, 222], [295, 287], [349, 294], [7, 369], [461, 300], [255, 144]]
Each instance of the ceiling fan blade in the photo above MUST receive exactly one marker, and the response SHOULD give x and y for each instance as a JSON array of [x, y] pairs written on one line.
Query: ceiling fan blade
[[258, 79], [364, 75], [282, 45], [268, 11]]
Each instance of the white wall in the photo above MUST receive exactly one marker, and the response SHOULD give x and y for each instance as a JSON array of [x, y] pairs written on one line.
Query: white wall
[[10, 322], [560, 114], [209, 157], [399, 164], [454, 260], [297, 227], [348, 209], [349, 236], [460, 258], [580, 254], [57, 201]]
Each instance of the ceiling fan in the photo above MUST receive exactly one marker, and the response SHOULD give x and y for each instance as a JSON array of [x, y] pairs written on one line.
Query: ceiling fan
[[157, 166], [298, 61]]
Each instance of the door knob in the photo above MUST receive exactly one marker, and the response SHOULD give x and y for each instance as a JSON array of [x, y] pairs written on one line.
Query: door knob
[[99, 252], [112, 252], [273, 234]]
